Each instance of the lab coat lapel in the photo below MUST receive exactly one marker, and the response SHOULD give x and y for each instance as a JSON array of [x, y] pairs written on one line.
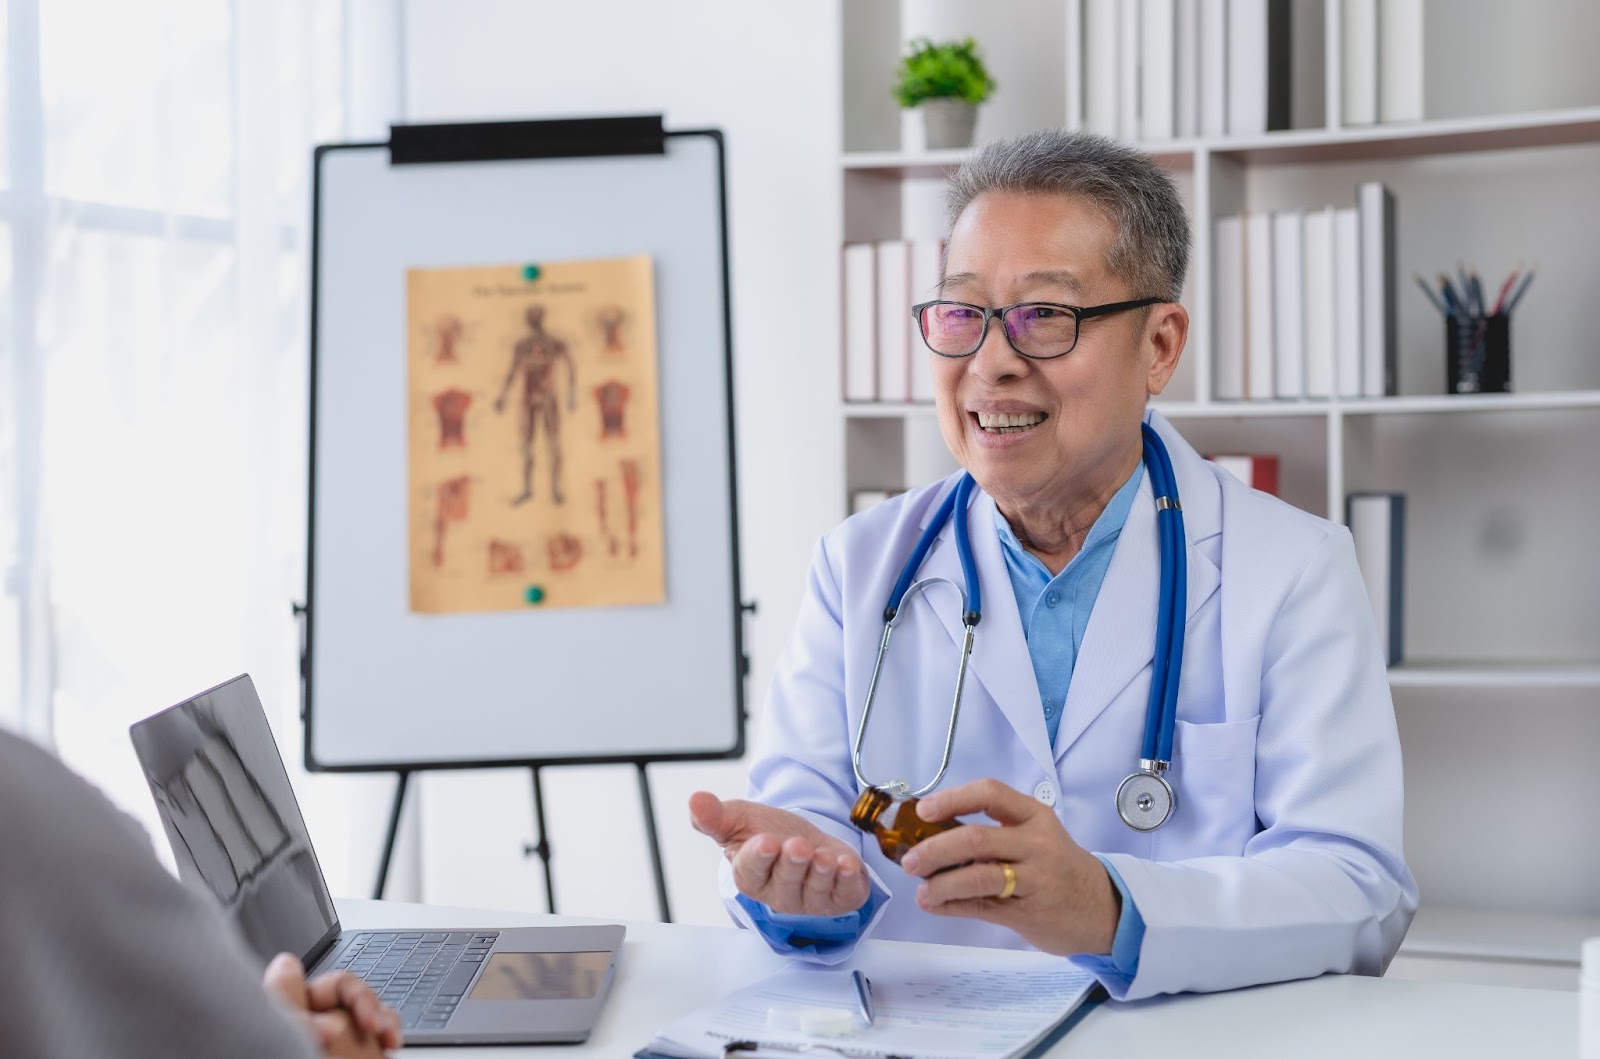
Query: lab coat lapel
[[1119, 642], [1000, 659]]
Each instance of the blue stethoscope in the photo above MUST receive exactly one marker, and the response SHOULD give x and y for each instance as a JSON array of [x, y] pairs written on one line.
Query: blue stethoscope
[[1144, 799]]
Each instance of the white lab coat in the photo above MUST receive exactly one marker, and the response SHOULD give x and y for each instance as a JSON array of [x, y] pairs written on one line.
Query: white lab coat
[[1283, 857]]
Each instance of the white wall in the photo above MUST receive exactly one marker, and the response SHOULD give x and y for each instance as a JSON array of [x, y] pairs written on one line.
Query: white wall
[[767, 75]]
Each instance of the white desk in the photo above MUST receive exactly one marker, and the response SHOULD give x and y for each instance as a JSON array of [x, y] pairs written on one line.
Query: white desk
[[667, 970]]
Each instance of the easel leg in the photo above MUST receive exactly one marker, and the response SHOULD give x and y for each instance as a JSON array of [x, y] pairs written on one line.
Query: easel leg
[[388, 842], [655, 843], [543, 846]]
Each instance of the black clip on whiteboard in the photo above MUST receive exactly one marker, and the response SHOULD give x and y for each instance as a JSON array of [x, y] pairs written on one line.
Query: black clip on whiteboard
[[374, 674]]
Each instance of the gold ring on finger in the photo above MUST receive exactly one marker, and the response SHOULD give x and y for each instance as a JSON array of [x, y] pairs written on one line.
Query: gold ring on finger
[[1010, 888]]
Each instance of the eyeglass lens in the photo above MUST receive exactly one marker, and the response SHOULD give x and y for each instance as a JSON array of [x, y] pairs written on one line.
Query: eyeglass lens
[[1035, 329]]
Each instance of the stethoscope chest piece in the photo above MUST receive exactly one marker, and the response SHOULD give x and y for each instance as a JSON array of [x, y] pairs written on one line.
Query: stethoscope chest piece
[[1145, 800]]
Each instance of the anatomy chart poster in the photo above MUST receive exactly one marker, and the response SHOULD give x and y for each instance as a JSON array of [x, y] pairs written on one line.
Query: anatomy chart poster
[[535, 441]]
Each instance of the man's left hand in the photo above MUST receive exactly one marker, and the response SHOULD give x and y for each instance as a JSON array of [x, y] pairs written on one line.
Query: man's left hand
[[1064, 900]]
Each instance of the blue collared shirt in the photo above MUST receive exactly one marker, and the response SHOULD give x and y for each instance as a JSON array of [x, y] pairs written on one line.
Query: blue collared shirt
[[1055, 609], [1055, 614]]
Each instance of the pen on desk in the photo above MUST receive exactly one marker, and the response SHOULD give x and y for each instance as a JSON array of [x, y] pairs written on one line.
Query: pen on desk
[[863, 996]]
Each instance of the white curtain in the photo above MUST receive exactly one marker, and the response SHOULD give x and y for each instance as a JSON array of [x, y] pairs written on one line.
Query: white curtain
[[155, 286]]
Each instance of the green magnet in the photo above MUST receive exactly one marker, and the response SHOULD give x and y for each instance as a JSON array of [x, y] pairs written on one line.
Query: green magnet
[[534, 595], [530, 272]]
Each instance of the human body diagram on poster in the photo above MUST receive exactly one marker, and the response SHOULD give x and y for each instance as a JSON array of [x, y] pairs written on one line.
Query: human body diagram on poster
[[534, 437]]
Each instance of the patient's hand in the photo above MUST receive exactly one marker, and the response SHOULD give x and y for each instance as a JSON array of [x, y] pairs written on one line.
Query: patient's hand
[[342, 1012], [781, 859]]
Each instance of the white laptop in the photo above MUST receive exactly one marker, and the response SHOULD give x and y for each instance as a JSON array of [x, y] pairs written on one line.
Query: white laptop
[[236, 831]]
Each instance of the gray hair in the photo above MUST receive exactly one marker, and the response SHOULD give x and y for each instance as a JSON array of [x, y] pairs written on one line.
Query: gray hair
[[1151, 250]]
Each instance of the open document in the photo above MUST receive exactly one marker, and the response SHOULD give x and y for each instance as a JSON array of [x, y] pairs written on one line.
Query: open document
[[930, 1002]]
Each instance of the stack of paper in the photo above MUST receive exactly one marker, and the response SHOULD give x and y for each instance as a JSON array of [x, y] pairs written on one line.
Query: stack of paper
[[942, 1003]]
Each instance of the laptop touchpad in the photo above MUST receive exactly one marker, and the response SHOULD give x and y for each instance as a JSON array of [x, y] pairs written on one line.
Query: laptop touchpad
[[542, 976]]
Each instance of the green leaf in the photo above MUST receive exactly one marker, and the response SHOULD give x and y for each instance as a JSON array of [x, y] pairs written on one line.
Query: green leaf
[[952, 70]]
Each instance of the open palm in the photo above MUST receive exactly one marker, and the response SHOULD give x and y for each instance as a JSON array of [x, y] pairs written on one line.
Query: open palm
[[782, 859]]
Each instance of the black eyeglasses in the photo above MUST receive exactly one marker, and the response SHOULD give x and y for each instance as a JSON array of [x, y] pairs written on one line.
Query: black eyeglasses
[[1037, 330]]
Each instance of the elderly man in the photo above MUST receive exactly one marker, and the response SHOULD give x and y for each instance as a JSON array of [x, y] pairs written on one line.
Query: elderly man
[[1056, 320]]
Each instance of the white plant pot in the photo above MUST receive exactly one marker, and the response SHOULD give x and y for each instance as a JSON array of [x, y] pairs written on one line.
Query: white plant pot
[[947, 123]]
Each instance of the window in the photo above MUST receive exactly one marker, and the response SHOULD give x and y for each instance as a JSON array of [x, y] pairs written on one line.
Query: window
[[154, 193]]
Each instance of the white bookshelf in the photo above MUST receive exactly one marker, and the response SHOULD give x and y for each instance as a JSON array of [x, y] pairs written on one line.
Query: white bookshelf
[[1424, 139], [1503, 573]]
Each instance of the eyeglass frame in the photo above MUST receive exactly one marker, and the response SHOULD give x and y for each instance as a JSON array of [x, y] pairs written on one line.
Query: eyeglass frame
[[1080, 314]]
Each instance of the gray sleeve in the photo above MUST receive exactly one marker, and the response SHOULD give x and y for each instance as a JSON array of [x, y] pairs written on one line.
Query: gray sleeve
[[106, 953]]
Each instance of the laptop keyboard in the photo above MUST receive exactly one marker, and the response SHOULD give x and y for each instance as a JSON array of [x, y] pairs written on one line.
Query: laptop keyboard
[[423, 976]]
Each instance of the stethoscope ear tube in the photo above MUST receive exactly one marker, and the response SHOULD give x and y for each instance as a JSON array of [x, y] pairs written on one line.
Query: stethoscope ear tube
[[971, 612]]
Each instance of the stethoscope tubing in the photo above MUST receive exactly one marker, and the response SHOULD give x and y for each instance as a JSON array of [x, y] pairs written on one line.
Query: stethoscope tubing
[[1172, 606]]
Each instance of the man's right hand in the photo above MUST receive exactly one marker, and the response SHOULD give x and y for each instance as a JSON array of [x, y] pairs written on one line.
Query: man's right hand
[[781, 859], [343, 1014]]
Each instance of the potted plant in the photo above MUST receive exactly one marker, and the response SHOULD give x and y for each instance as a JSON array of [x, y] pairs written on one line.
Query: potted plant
[[946, 82]]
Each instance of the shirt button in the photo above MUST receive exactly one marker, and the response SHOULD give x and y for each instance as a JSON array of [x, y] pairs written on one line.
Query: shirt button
[[1052, 599], [1046, 793]]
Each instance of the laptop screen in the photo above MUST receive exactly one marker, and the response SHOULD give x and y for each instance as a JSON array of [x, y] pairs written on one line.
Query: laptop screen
[[232, 819]]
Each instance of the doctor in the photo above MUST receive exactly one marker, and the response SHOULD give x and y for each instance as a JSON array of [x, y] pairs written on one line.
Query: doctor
[[1281, 857]]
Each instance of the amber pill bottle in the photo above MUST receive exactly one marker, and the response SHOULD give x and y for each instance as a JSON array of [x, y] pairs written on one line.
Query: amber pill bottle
[[894, 822]]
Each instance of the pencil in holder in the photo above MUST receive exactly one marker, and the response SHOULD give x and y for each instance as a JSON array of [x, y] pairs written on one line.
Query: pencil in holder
[[1478, 353]]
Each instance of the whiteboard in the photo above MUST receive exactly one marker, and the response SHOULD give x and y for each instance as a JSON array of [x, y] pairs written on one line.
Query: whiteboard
[[386, 688]]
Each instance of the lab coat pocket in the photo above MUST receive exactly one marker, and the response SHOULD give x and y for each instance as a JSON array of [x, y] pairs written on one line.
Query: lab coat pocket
[[1214, 777]]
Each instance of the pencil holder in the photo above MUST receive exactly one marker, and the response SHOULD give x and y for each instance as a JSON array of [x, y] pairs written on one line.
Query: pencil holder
[[1478, 353]]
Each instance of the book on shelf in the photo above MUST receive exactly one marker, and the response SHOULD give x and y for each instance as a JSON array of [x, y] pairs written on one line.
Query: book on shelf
[[1255, 470], [1072, 51], [1213, 67], [1100, 66], [1288, 304], [1186, 68], [927, 259], [1319, 302], [1260, 331], [1128, 70], [1347, 302], [1158, 59], [894, 320], [1227, 357], [1358, 69], [1259, 73], [1377, 523], [1375, 208], [1308, 63], [860, 346], [1400, 60]]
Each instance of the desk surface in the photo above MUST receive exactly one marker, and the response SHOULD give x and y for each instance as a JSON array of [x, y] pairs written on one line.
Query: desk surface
[[667, 970]]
